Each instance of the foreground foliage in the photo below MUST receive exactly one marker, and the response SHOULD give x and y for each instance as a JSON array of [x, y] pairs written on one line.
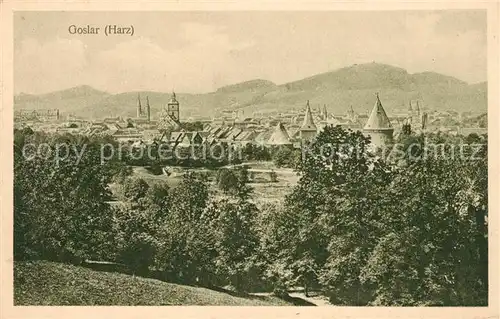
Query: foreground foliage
[[364, 230]]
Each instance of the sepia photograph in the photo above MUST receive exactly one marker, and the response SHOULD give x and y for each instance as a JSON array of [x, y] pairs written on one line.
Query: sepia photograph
[[250, 158]]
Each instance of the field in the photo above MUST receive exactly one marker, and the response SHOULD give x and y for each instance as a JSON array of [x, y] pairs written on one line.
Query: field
[[265, 190], [49, 284]]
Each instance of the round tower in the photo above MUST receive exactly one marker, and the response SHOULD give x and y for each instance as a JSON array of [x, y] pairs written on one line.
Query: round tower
[[378, 126]]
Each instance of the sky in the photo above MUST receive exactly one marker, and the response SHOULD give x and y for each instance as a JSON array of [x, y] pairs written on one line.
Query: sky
[[198, 52]]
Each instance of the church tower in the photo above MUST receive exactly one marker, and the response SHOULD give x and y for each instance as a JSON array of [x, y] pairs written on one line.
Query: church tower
[[378, 126], [169, 116], [173, 107], [308, 129], [139, 106], [148, 109]]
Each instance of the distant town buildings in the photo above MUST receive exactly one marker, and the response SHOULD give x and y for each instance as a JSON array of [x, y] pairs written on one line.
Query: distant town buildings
[[36, 115], [240, 127]]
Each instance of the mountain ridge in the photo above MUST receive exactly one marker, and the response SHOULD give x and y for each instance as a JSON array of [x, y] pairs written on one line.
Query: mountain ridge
[[338, 89]]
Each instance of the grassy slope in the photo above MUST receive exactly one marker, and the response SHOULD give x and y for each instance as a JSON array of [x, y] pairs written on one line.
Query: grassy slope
[[48, 283]]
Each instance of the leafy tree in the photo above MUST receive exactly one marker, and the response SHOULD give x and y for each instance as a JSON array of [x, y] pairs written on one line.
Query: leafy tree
[[135, 189], [137, 228], [235, 242], [61, 209], [226, 180], [252, 152], [192, 126], [185, 250], [234, 182], [433, 251], [136, 238], [282, 157]]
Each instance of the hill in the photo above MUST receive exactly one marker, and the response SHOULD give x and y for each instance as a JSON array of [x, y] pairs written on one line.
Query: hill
[[74, 100], [353, 85], [51, 284], [258, 85]]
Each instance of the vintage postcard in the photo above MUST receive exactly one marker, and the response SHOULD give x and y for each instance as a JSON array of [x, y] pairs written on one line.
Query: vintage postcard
[[258, 158]]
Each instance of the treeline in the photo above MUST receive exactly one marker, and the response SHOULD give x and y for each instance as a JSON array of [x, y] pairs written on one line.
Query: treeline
[[378, 232], [208, 155], [160, 154], [364, 231]]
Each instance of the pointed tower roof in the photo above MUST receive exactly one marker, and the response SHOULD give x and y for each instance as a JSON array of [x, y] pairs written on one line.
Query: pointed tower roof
[[148, 109], [350, 113], [409, 106], [308, 124], [173, 99], [378, 118], [279, 136], [139, 106]]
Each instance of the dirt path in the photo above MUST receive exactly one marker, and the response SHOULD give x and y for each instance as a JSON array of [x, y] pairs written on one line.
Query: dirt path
[[320, 301], [300, 299]]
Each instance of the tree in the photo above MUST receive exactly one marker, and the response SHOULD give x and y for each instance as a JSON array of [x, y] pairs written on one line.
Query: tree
[[185, 251], [192, 126], [429, 253], [326, 229], [234, 182], [233, 224], [137, 228], [134, 189], [226, 180], [252, 152], [136, 239], [61, 212], [282, 157]]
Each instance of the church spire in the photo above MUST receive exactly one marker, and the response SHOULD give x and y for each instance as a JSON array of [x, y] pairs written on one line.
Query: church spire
[[308, 129], [139, 106], [148, 109], [173, 98], [308, 124]]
